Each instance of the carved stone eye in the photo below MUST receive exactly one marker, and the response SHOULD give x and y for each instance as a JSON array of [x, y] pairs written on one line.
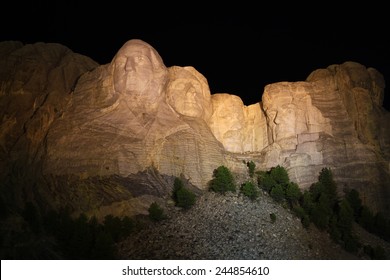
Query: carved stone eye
[[139, 59], [180, 85]]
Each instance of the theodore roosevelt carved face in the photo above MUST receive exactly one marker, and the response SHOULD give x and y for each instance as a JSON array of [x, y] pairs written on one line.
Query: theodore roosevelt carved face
[[139, 76], [228, 120]]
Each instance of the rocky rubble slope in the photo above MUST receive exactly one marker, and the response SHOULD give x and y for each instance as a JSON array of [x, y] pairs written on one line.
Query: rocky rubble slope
[[233, 227]]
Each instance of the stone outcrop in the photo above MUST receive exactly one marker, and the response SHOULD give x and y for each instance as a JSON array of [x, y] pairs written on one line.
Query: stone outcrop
[[36, 82], [294, 129], [70, 125], [351, 96], [106, 131]]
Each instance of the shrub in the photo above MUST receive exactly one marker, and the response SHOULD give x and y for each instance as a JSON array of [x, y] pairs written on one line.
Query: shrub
[[280, 175], [177, 184], [323, 199], [128, 226], [321, 213], [272, 217], [351, 244], [366, 219], [223, 180], [354, 200], [266, 182], [113, 225], [185, 198], [334, 231], [118, 227], [377, 253], [250, 190], [305, 221], [81, 240], [84, 238], [327, 185], [382, 226], [182, 196], [104, 248], [277, 193], [345, 217], [307, 201], [300, 213], [251, 168], [293, 193], [156, 213]]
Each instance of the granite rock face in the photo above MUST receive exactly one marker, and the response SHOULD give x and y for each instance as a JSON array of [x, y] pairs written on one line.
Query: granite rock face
[[351, 96], [134, 124], [36, 82], [106, 130], [238, 127]]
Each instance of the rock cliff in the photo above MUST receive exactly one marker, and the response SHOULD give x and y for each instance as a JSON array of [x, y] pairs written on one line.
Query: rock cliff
[[110, 138]]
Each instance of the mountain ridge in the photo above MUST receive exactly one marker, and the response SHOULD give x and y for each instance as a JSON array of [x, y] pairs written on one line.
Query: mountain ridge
[[65, 116]]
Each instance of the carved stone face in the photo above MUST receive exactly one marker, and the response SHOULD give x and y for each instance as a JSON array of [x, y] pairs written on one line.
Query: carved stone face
[[290, 111], [185, 96], [188, 92], [139, 75], [283, 120], [228, 121]]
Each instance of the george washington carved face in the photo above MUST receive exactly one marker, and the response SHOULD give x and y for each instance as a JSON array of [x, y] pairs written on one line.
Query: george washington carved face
[[139, 76]]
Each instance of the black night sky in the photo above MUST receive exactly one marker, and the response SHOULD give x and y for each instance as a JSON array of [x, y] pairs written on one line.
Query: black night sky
[[239, 49]]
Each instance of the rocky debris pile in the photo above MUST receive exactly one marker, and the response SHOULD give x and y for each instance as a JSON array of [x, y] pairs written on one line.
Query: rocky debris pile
[[230, 226]]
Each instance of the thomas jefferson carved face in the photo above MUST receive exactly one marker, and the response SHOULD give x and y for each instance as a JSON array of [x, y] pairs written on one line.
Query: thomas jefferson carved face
[[188, 92], [139, 75]]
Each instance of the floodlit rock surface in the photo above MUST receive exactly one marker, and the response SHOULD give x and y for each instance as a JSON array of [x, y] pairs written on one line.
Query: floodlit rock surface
[[69, 125]]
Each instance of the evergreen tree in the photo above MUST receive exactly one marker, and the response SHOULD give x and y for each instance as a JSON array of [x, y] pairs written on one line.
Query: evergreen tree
[[182, 196], [307, 201], [280, 175], [223, 180], [156, 213], [277, 193], [251, 168], [366, 219], [266, 182], [354, 200], [293, 193], [185, 198], [177, 185], [345, 217], [250, 190], [113, 226], [328, 185], [104, 248], [128, 226]]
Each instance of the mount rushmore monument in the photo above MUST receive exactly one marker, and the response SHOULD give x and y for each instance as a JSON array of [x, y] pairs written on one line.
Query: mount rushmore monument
[[107, 138]]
